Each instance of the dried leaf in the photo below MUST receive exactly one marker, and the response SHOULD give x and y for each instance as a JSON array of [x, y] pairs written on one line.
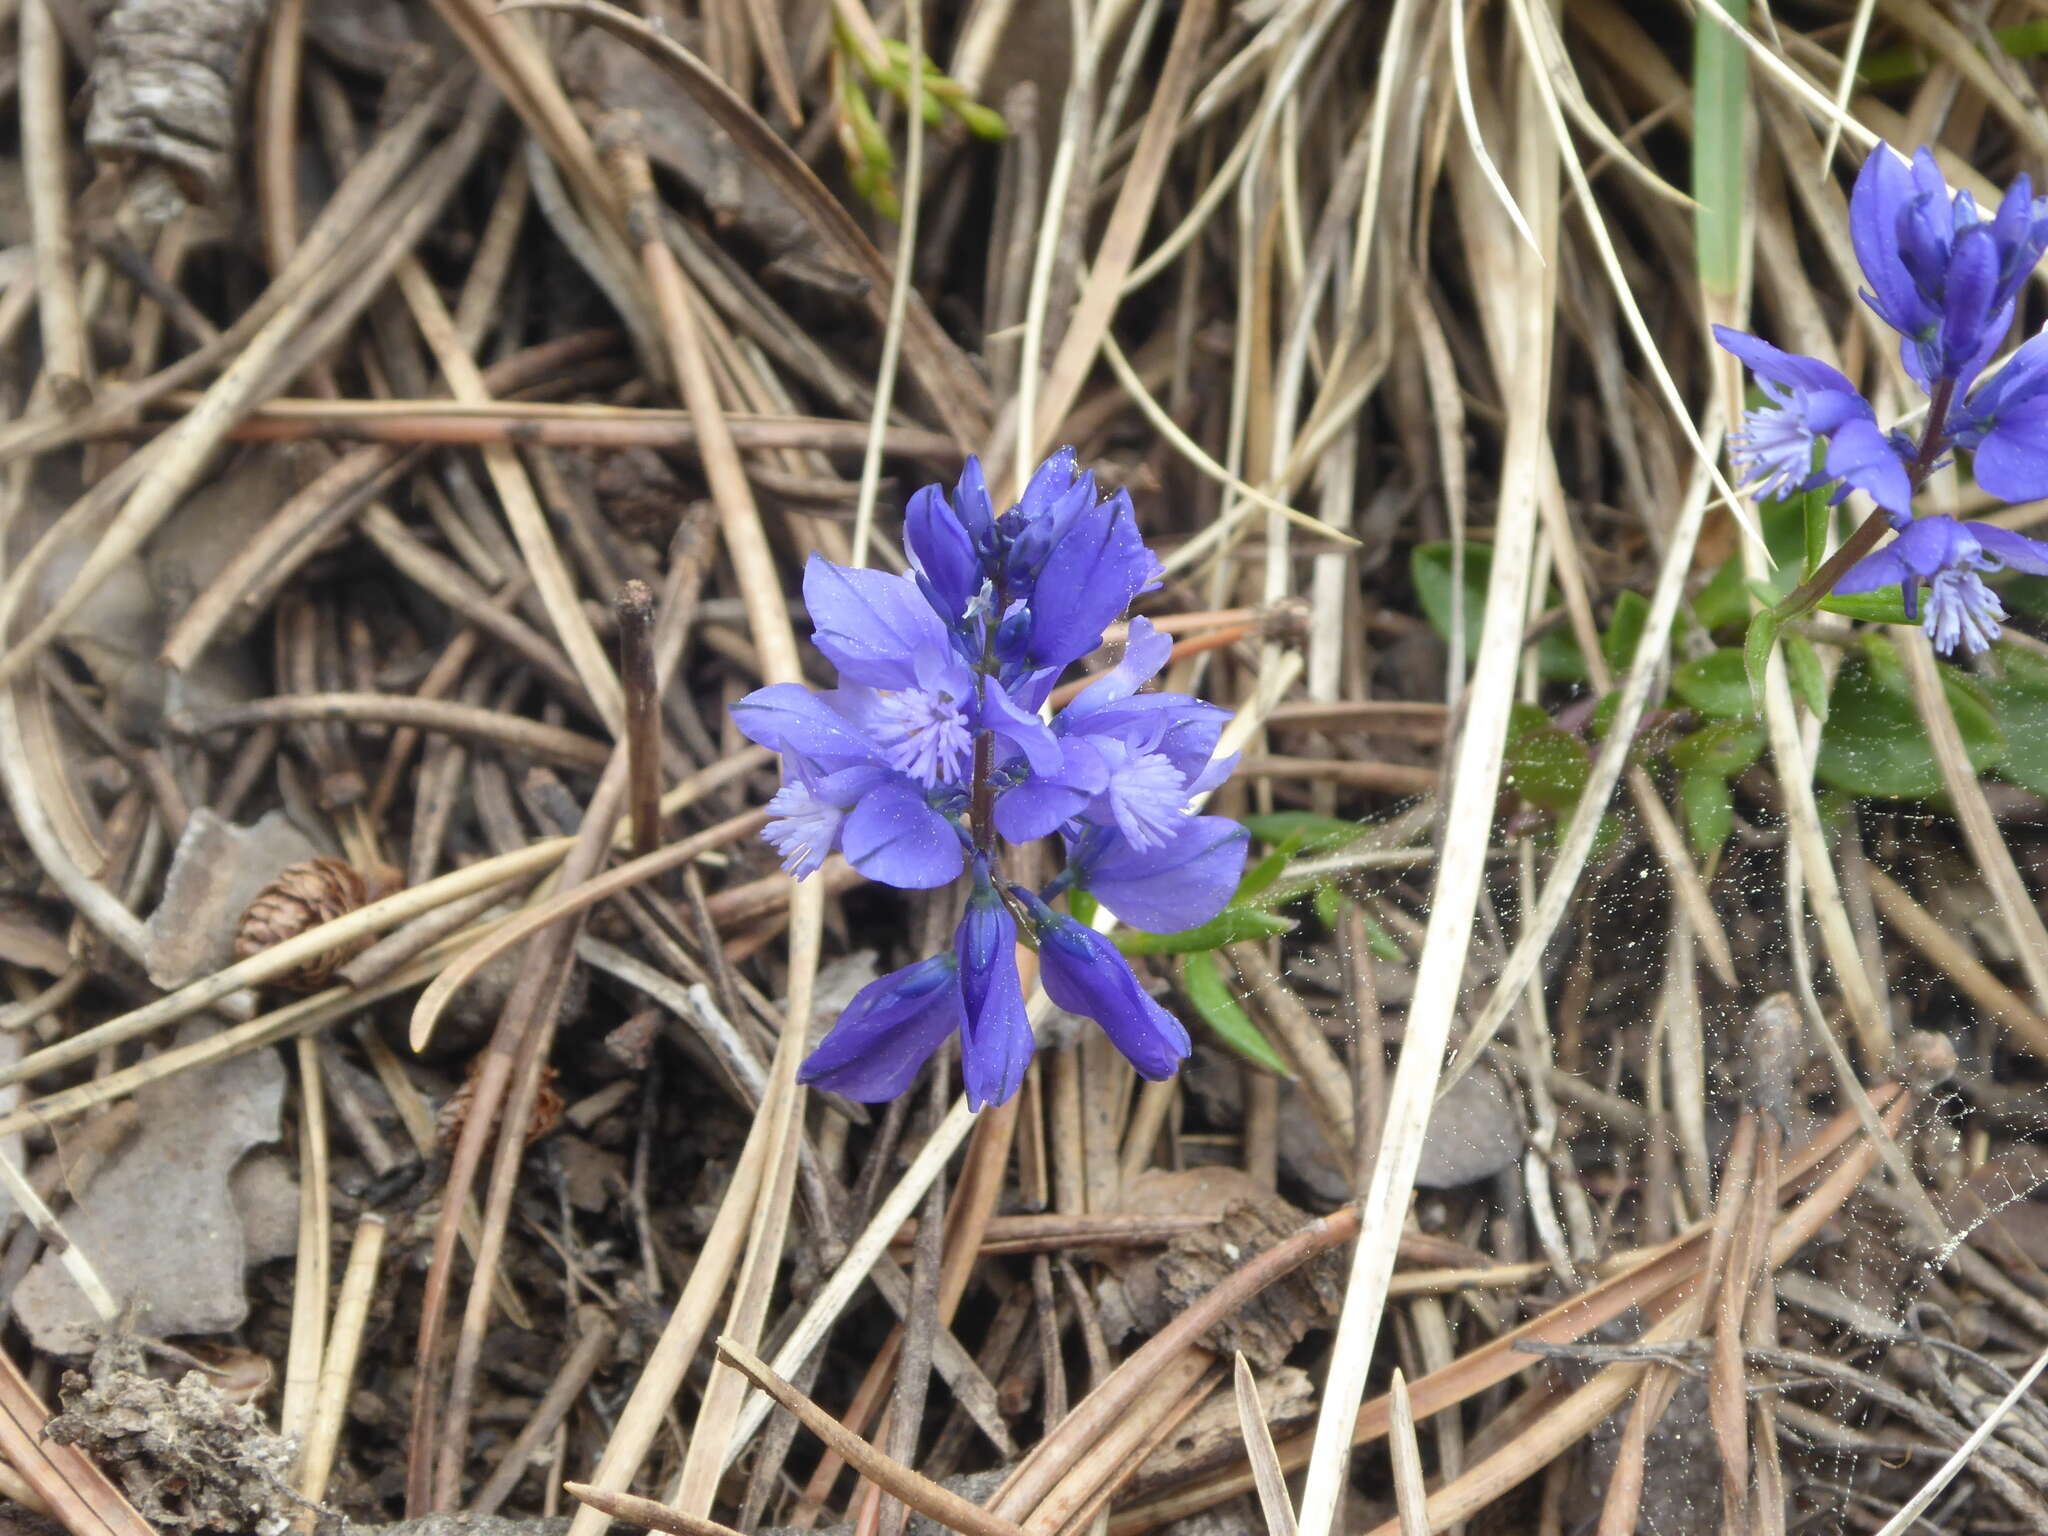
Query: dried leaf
[[167, 1192], [217, 871], [687, 141], [26, 942]]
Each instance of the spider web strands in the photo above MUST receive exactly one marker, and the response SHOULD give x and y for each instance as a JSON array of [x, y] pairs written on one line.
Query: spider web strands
[[1474, 786], [1653, 1279], [2016, 908], [1910, 1512], [1576, 843]]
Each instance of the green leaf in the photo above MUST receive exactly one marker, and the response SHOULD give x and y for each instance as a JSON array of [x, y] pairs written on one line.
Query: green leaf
[[1557, 659], [1809, 680], [1328, 903], [1784, 528], [1720, 169], [1601, 721], [982, 122], [1709, 810], [1875, 745], [1715, 685], [1081, 907], [1317, 834], [1624, 631], [1606, 836], [2018, 666], [1815, 512], [1886, 670], [2019, 702], [1756, 655], [1768, 594], [1722, 748], [1378, 940], [1723, 602], [1260, 876], [1201, 979], [1883, 606], [1547, 767], [2023, 40], [1230, 926], [2025, 594]]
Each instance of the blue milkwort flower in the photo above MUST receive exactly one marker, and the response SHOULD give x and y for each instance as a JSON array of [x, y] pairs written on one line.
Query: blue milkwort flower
[[1941, 274], [931, 754], [2005, 425], [1951, 560], [1037, 586], [1812, 405], [889, 1030], [1084, 974], [1947, 279], [995, 1035]]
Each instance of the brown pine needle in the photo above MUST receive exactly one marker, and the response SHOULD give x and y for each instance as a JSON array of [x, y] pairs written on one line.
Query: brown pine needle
[[645, 1513], [913, 1488]]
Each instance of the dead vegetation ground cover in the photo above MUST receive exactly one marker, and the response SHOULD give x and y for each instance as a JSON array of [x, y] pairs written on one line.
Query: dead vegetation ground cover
[[417, 417]]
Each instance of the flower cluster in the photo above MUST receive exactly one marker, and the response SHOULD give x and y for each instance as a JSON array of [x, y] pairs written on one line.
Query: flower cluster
[[1947, 278], [932, 754]]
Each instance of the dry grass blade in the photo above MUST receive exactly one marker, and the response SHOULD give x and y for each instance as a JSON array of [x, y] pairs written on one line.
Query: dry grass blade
[[1651, 1280], [76, 1262], [182, 453], [1608, 767], [1956, 961], [1908, 1514], [282, 958], [461, 522], [544, 560], [577, 899], [1474, 787], [2014, 903], [832, 1297], [782, 1115], [899, 291], [67, 363], [1565, 1423], [1411, 1496], [1274, 1501], [1089, 323], [1852, 55], [1093, 1415], [343, 1350], [641, 1419]]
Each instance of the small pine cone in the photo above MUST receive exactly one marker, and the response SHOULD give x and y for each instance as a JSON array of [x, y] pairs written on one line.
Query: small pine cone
[[305, 896], [547, 1108]]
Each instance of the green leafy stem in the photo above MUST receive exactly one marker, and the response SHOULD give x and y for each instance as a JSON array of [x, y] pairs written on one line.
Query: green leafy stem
[[870, 159]]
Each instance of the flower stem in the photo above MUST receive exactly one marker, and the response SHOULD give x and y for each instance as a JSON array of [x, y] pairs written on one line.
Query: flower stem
[[981, 808], [1860, 543], [1935, 437], [1817, 586]]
